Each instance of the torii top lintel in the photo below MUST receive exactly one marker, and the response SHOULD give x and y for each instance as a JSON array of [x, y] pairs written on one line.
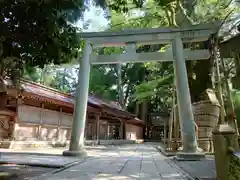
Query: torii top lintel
[[195, 33]]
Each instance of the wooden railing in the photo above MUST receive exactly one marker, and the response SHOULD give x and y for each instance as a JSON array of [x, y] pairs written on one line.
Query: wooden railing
[[226, 152]]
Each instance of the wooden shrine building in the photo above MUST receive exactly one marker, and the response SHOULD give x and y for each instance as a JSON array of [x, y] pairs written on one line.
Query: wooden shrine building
[[31, 113]]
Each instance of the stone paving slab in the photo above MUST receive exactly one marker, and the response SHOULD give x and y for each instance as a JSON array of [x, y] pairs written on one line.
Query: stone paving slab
[[204, 169], [129, 162], [38, 160], [22, 172]]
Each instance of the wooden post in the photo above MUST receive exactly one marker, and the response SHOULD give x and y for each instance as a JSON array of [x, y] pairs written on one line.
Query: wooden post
[[59, 125], [175, 130], [170, 131], [121, 132], [124, 129], [229, 96], [41, 118], [97, 127], [108, 129], [137, 109], [165, 133], [93, 131], [219, 86], [224, 136]]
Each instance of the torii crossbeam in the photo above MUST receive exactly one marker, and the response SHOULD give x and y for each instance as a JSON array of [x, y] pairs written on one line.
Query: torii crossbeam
[[130, 39]]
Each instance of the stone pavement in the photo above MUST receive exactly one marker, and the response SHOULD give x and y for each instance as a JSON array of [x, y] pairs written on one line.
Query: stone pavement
[[46, 151], [199, 170], [48, 157], [202, 170], [128, 162], [51, 161], [22, 172]]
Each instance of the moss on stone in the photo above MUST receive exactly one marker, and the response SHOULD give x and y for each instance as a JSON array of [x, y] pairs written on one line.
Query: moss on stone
[[234, 168]]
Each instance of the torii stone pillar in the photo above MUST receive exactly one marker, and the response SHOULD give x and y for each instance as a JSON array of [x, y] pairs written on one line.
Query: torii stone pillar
[[183, 98], [78, 127]]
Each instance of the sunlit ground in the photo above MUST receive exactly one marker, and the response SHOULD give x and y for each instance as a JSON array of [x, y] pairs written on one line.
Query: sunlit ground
[[128, 162]]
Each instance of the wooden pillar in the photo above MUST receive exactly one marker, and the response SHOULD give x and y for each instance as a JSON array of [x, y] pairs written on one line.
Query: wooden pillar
[[41, 119], [224, 139], [218, 83], [108, 128], [97, 126], [165, 133], [124, 129], [110, 131], [177, 128], [137, 109], [121, 132], [59, 125], [3, 97], [229, 95], [93, 130], [170, 131]]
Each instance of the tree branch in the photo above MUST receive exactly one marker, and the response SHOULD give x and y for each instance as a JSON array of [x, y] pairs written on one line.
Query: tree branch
[[224, 20], [153, 16], [229, 3], [184, 11], [126, 94], [168, 16]]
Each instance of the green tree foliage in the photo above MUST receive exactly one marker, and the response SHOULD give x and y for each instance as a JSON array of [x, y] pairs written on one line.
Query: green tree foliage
[[178, 13], [32, 74], [151, 84], [141, 81], [150, 81], [61, 77], [158, 88], [63, 81], [40, 32], [35, 33], [236, 101], [103, 82]]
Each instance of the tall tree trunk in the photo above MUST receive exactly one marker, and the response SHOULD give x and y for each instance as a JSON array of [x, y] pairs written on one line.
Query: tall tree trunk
[[144, 110], [137, 109], [198, 79], [43, 75], [120, 85], [64, 78], [236, 79]]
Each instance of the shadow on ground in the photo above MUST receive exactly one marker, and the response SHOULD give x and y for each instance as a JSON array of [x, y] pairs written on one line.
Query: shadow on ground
[[21, 172]]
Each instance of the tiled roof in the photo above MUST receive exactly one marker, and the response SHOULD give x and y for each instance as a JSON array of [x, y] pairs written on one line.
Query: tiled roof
[[54, 94], [46, 93], [110, 104]]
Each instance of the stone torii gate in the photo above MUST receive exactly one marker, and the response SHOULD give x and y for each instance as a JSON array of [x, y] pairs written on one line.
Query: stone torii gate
[[129, 39]]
